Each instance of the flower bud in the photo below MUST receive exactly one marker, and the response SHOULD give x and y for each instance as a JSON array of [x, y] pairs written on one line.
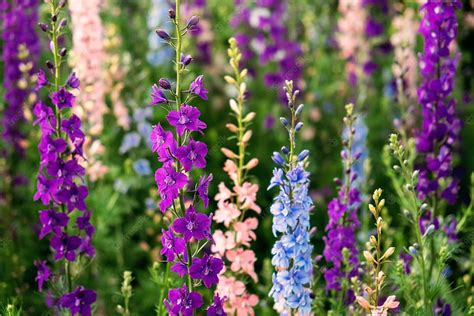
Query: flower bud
[[186, 59], [163, 34], [251, 164], [284, 121], [277, 158], [303, 155], [193, 21], [49, 64], [165, 84], [285, 150], [298, 126], [63, 23], [172, 14], [54, 18], [63, 52], [43, 26], [299, 109]]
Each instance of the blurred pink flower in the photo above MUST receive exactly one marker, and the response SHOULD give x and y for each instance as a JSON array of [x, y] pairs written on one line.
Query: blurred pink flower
[[231, 168], [223, 242], [224, 193]]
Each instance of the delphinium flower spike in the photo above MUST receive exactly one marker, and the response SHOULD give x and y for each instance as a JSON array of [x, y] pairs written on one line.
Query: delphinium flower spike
[[439, 133], [340, 249], [60, 185], [19, 54], [180, 155], [292, 252], [376, 258], [233, 243]]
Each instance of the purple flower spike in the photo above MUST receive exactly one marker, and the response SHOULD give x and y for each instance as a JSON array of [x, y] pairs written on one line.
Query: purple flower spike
[[169, 183], [182, 302], [203, 189], [198, 89], [72, 127], [160, 137], [193, 225]]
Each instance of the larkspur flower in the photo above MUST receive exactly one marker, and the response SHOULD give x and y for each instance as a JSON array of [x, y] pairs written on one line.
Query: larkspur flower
[[43, 274], [60, 185], [179, 153], [343, 221], [182, 302], [217, 307], [292, 252], [439, 132], [197, 88], [192, 154], [62, 98], [233, 243], [186, 119], [20, 46], [78, 301]]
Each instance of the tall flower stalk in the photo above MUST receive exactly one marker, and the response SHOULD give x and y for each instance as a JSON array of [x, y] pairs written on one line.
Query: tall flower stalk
[[340, 249], [180, 154], [375, 260], [60, 185], [292, 252], [439, 133], [233, 243]]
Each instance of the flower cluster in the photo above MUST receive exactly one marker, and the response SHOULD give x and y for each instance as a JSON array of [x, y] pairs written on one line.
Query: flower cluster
[[268, 39], [233, 243], [180, 154], [60, 184], [20, 53], [340, 243], [88, 59], [292, 252], [440, 128]]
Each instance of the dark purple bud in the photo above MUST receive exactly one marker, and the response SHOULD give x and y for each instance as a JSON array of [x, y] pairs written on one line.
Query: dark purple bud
[[284, 121], [54, 18], [62, 3], [172, 14], [285, 150], [63, 52], [49, 64], [44, 27], [165, 84], [186, 59], [337, 181], [193, 21], [163, 35], [63, 23]]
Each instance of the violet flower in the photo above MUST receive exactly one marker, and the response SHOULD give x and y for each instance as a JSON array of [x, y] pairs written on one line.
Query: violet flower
[[439, 132], [59, 185], [178, 153]]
